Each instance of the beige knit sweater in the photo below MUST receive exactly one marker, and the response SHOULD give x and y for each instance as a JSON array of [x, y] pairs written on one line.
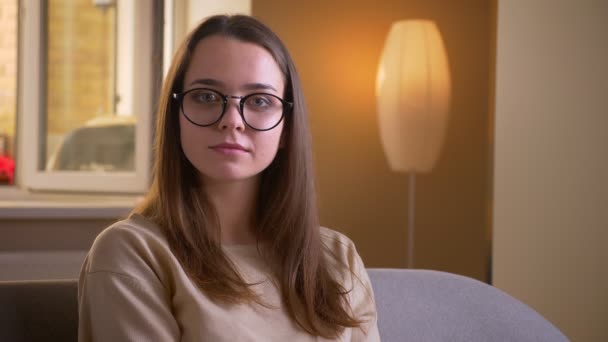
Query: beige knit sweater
[[132, 288]]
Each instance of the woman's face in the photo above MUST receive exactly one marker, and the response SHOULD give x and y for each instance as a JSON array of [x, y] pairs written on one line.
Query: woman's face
[[229, 150]]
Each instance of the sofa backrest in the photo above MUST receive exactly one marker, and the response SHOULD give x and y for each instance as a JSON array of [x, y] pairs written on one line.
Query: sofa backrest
[[413, 305], [32, 311], [422, 305]]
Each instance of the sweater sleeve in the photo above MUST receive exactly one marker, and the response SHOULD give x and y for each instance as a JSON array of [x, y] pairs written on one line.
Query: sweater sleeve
[[350, 270], [119, 296], [363, 304]]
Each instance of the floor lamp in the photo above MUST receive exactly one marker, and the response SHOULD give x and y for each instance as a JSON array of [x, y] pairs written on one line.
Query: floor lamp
[[413, 94]]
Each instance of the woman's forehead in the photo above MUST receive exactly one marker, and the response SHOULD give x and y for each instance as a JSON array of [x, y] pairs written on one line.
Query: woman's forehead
[[233, 63]]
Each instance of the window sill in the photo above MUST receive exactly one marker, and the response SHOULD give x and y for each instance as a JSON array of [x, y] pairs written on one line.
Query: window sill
[[19, 204]]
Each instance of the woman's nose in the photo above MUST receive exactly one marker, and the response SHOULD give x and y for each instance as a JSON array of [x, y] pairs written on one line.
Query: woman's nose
[[232, 118]]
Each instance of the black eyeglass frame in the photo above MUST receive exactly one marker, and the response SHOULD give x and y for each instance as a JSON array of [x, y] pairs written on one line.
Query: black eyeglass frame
[[287, 106]]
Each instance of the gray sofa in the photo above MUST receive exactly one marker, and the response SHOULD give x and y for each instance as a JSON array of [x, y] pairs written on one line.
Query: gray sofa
[[413, 305], [421, 306]]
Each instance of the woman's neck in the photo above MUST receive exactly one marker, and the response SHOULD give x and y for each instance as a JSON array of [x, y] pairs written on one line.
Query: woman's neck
[[235, 204]]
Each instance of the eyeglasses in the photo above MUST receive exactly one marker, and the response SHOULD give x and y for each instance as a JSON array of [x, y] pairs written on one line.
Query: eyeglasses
[[205, 107]]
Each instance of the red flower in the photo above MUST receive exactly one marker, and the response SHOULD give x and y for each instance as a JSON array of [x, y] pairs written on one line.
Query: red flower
[[7, 169]]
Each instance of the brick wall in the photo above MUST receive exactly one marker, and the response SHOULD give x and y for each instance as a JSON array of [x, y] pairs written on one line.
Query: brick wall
[[81, 49]]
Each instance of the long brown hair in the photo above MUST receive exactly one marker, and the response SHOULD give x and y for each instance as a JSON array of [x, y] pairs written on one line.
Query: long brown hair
[[287, 218]]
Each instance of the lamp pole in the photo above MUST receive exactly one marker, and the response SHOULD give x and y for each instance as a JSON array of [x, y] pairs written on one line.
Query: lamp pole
[[411, 212]]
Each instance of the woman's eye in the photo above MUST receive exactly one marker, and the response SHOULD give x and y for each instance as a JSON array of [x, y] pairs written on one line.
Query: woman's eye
[[205, 97], [208, 97], [259, 101]]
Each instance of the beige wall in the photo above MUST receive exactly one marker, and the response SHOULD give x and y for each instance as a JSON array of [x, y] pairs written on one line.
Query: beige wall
[[551, 178], [46, 247], [336, 46]]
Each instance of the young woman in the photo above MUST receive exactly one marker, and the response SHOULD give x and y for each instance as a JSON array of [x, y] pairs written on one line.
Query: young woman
[[227, 244]]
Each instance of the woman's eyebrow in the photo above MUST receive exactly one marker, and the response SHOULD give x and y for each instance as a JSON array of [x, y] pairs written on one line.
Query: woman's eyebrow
[[207, 81], [218, 83], [259, 86]]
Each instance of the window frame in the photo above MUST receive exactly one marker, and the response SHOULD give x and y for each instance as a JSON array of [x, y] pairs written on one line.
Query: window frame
[[31, 106]]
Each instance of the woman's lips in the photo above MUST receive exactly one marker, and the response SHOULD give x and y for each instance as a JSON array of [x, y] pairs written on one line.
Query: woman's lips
[[229, 148]]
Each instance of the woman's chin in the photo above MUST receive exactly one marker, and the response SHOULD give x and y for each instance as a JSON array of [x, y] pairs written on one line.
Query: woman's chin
[[227, 176]]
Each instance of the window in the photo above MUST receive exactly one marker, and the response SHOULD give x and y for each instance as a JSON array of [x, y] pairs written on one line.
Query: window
[[89, 71], [8, 88], [84, 131], [78, 84]]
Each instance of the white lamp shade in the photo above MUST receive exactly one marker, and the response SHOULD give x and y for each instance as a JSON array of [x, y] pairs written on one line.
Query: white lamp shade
[[413, 95]]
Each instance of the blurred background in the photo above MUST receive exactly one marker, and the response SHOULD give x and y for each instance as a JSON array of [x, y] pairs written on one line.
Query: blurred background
[[517, 197]]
